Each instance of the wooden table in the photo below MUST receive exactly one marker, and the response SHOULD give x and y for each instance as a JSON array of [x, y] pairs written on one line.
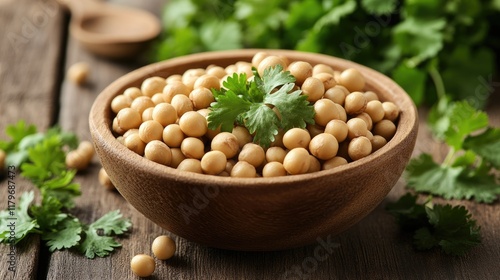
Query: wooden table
[[36, 51]]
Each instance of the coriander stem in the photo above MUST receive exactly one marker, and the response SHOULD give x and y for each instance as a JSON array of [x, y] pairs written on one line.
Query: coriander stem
[[448, 160], [438, 82]]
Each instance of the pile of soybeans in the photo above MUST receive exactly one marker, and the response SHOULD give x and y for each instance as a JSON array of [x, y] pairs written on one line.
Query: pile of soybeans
[[165, 120]]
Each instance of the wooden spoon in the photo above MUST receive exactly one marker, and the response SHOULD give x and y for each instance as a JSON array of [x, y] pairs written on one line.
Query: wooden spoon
[[110, 30]]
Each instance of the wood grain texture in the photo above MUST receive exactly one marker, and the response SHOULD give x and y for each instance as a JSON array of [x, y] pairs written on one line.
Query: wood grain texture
[[372, 249], [95, 200], [32, 33]]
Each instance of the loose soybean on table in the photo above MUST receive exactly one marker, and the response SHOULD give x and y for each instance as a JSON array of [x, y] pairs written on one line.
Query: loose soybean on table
[[35, 53]]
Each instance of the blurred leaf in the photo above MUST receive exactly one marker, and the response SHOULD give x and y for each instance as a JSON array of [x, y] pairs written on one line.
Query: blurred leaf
[[379, 7], [412, 80], [221, 35], [421, 39]]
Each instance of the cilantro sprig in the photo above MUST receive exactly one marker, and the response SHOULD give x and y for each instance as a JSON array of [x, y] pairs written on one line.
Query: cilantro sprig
[[41, 157], [450, 228], [263, 105], [468, 171]]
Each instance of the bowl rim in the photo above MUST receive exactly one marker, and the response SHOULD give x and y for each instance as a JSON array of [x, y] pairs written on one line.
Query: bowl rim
[[100, 121]]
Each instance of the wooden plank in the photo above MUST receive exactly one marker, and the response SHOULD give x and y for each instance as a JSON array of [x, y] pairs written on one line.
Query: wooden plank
[[96, 201], [30, 55]]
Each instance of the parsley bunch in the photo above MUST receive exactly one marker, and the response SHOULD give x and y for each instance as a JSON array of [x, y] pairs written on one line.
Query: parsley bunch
[[41, 157], [468, 171], [264, 105], [450, 228]]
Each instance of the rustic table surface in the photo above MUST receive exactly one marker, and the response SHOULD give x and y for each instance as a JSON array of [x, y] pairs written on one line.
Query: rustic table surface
[[35, 53]]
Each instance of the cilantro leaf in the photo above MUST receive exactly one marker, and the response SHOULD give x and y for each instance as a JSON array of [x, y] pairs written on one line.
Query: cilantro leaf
[[454, 228], [95, 245], [438, 119], [225, 111], [43, 162], [450, 182], [48, 214], [15, 155], [263, 105], [288, 104], [464, 119], [16, 132], [466, 170], [102, 245], [112, 223], [272, 78], [24, 223], [449, 227], [65, 138], [420, 39], [66, 235], [46, 159], [486, 145], [62, 188], [262, 121], [237, 84]]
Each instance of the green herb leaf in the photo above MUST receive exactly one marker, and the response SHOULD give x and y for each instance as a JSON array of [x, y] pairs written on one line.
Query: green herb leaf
[[251, 104], [486, 145], [272, 78], [288, 104], [62, 188], [43, 162], [16, 132], [262, 121], [237, 84], [450, 228], [65, 236], [454, 228], [19, 216], [46, 159], [464, 119], [49, 213], [95, 244], [226, 109], [421, 39], [438, 119], [112, 223], [450, 182]]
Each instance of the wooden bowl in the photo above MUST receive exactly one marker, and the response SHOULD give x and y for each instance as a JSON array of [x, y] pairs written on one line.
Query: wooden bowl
[[258, 214]]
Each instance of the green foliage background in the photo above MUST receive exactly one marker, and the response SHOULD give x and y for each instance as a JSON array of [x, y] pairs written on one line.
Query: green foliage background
[[430, 47]]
